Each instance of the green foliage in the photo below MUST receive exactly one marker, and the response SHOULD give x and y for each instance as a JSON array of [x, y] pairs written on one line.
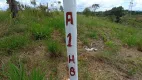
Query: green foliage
[[40, 32], [16, 73], [37, 75], [4, 16], [134, 21], [117, 12], [93, 35], [111, 46], [131, 40], [55, 48], [132, 71], [87, 12], [43, 9], [13, 42], [19, 73]]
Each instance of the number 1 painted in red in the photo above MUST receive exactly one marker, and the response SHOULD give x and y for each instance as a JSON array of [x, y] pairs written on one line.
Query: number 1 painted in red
[[69, 41]]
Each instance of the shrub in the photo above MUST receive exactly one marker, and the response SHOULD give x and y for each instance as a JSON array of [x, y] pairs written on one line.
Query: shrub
[[55, 49]]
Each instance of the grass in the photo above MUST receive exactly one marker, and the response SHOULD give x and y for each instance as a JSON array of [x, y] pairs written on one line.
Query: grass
[[111, 46], [39, 28], [12, 43], [122, 64], [15, 73], [40, 32], [19, 73], [93, 35], [131, 40], [55, 48]]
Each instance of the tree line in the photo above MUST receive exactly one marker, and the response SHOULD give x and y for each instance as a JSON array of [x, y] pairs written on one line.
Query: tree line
[[115, 12]]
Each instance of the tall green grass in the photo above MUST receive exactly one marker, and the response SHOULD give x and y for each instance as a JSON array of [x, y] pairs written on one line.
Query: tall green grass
[[16, 72], [55, 48], [40, 32], [20, 73], [13, 42]]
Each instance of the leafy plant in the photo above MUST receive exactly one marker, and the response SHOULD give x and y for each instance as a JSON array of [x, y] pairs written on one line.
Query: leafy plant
[[40, 32]]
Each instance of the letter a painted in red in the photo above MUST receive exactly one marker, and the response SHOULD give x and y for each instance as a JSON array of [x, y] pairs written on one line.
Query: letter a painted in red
[[69, 19]]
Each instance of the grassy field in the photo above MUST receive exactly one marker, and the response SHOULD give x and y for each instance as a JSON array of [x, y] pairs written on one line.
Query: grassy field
[[32, 47]]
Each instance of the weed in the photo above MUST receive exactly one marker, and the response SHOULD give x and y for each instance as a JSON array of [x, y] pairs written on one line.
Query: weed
[[40, 32]]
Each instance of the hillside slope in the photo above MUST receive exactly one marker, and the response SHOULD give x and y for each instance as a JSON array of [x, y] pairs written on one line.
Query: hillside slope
[[37, 41]]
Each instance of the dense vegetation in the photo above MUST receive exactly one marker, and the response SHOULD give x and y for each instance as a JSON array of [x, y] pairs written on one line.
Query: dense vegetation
[[32, 47]]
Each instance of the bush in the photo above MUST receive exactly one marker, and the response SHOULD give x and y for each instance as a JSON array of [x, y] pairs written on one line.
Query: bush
[[55, 49]]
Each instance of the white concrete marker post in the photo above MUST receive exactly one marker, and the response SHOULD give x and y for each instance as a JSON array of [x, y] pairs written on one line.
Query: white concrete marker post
[[71, 37]]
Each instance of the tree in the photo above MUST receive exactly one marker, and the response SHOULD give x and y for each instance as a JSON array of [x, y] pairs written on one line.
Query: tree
[[13, 7], [43, 8], [117, 12], [59, 2], [87, 11], [33, 2], [95, 7], [61, 8]]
